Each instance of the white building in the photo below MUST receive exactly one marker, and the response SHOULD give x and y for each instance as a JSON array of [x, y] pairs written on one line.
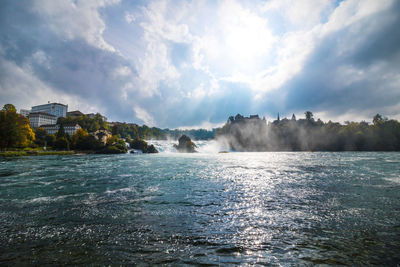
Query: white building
[[56, 109], [38, 119], [24, 112], [69, 128], [51, 128]]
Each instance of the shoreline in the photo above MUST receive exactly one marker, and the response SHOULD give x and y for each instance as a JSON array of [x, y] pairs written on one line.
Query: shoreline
[[7, 154]]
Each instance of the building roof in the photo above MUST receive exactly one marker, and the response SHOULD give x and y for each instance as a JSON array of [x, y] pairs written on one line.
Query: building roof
[[42, 113], [51, 104], [69, 124], [75, 112], [48, 125]]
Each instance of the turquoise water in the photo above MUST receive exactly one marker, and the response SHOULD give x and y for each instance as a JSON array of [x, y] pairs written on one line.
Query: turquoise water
[[193, 209]]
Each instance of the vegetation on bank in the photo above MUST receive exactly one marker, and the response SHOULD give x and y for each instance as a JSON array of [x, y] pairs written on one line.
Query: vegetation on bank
[[308, 134], [16, 134], [133, 131], [239, 133], [34, 153]]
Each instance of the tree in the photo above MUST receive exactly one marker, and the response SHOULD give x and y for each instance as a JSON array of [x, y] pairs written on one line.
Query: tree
[[15, 130], [40, 136], [309, 115], [50, 139], [115, 130], [78, 135], [88, 142], [9, 107], [61, 143], [61, 132], [378, 119]]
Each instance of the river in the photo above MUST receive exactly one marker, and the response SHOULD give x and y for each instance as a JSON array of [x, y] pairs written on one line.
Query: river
[[208, 208]]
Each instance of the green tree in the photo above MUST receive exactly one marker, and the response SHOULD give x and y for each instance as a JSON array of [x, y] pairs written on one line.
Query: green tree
[[78, 135], [61, 132], [309, 115], [40, 136], [15, 130], [10, 107], [61, 143], [50, 139]]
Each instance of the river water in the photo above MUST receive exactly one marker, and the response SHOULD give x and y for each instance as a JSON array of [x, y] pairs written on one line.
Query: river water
[[207, 208]]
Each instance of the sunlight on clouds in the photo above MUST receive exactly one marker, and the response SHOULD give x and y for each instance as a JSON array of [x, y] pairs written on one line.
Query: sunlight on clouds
[[246, 35], [351, 11], [202, 56], [238, 42], [300, 13]]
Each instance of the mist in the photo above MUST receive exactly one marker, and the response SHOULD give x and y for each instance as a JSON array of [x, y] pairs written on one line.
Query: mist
[[255, 134]]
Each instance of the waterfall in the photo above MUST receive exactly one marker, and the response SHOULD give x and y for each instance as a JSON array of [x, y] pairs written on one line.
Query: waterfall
[[202, 146]]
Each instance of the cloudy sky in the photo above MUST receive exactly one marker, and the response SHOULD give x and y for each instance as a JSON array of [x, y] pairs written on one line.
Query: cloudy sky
[[195, 63]]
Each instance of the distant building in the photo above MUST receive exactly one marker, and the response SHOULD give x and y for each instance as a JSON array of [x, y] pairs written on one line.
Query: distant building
[[38, 119], [254, 117], [92, 115], [25, 112], [69, 128], [293, 117], [56, 109], [75, 113], [51, 128]]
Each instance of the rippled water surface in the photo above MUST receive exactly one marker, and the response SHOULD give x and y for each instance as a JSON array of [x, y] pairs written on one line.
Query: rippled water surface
[[213, 209]]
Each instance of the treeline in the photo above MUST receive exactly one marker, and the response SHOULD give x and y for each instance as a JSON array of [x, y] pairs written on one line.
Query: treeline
[[198, 134], [81, 140], [15, 130], [308, 134], [88, 124], [134, 131], [16, 134]]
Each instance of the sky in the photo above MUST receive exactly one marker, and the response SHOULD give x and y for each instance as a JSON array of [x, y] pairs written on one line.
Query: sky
[[193, 64]]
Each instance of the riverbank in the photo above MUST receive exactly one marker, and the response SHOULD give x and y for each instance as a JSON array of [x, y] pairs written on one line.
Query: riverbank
[[34, 153]]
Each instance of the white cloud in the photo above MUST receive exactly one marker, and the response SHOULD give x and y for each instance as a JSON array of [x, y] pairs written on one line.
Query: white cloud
[[143, 115], [76, 19], [159, 31], [122, 71], [19, 86], [300, 13], [41, 58], [294, 47], [129, 17], [351, 11]]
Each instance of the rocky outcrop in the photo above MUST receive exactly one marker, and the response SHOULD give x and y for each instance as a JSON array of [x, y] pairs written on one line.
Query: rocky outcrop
[[143, 146], [185, 145]]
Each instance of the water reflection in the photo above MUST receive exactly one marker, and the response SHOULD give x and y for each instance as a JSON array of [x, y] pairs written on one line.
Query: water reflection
[[229, 209]]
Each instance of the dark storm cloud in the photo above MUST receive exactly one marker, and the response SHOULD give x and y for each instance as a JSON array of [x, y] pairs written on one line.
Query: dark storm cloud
[[68, 66], [173, 70], [352, 70]]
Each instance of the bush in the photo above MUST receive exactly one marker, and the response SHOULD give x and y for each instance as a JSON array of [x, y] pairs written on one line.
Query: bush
[[61, 144]]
